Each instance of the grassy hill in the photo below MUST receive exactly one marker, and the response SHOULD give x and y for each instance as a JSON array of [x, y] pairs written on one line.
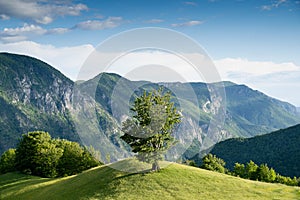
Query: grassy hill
[[173, 182]]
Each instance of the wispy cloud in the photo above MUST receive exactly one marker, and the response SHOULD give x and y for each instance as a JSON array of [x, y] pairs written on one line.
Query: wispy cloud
[[190, 3], [154, 21], [39, 11], [280, 80], [276, 4], [27, 31], [228, 66], [4, 17], [110, 22], [68, 60], [189, 23]]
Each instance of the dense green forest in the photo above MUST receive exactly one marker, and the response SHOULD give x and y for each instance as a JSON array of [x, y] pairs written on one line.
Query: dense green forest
[[279, 149]]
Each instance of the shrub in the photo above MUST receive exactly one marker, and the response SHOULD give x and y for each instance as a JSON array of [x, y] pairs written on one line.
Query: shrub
[[8, 161], [191, 163], [239, 170], [38, 154], [211, 162], [265, 174], [251, 170], [75, 158]]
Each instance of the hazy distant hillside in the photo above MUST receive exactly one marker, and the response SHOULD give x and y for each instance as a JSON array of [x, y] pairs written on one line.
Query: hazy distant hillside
[[280, 150]]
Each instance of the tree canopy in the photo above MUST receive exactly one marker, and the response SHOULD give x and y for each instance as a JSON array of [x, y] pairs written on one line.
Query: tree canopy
[[149, 130], [211, 162], [38, 154]]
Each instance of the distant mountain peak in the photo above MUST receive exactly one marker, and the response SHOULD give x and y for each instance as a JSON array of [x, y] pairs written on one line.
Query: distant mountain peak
[[35, 96]]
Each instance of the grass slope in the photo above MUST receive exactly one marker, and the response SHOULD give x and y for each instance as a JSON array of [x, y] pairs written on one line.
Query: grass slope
[[173, 182]]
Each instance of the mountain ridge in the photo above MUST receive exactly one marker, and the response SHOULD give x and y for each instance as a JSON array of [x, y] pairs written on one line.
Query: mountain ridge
[[35, 96], [279, 149]]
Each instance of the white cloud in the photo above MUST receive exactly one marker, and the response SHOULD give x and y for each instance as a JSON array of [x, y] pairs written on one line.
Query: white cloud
[[68, 60], [276, 4], [189, 23], [190, 3], [27, 29], [57, 31], [154, 21], [279, 80], [25, 32], [110, 22], [230, 66], [4, 17], [39, 11]]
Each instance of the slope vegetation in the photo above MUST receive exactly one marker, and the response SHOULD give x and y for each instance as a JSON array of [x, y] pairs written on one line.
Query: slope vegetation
[[280, 150], [173, 182]]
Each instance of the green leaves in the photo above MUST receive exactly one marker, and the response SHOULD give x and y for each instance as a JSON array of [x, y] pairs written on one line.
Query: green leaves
[[149, 131], [40, 155], [211, 162], [7, 161], [262, 173]]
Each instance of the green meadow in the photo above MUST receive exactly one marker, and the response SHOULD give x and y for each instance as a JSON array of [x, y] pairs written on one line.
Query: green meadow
[[175, 181]]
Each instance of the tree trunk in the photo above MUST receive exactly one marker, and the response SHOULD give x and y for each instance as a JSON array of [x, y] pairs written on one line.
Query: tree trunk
[[155, 166]]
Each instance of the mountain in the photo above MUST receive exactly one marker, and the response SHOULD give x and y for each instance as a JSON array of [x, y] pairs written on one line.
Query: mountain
[[279, 149], [173, 182], [248, 112], [35, 96]]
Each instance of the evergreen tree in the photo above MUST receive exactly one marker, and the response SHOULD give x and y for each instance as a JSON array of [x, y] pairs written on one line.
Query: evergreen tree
[[149, 131]]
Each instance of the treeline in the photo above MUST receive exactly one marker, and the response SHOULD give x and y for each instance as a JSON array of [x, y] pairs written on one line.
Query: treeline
[[248, 171], [38, 154]]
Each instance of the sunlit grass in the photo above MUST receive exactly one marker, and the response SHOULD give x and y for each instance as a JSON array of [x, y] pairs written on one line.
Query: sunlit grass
[[172, 182]]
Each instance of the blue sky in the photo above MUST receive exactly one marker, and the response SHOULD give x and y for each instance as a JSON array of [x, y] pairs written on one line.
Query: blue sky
[[254, 42]]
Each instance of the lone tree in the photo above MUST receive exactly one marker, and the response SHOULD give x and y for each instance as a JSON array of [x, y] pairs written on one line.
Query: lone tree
[[149, 131]]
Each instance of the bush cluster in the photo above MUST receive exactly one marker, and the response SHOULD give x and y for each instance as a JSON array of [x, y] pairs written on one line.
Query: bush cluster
[[38, 154], [262, 173], [249, 171]]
